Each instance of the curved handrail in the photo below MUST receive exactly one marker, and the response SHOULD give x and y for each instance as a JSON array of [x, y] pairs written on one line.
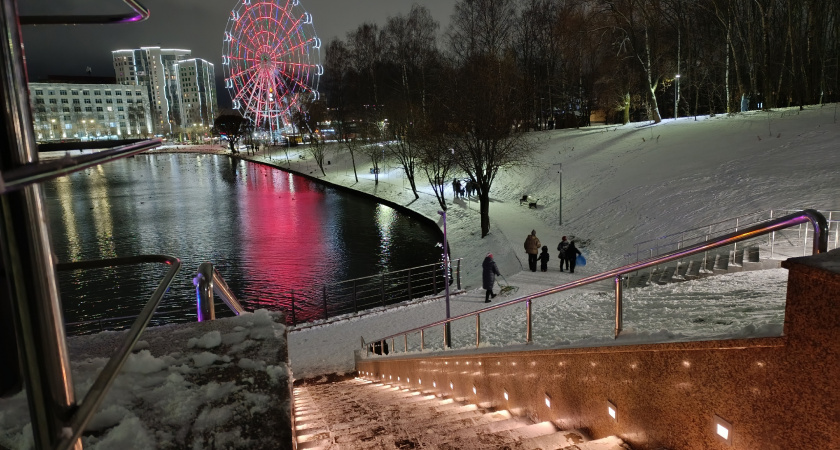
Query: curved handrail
[[96, 394], [809, 215], [209, 281], [140, 14]]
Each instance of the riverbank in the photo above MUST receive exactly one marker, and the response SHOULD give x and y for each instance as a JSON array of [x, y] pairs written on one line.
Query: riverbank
[[620, 184]]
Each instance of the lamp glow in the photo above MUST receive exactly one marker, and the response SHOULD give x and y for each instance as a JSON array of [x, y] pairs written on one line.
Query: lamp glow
[[475, 391], [451, 386], [506, 396], [722, 431], [547, 401], [612, 411]]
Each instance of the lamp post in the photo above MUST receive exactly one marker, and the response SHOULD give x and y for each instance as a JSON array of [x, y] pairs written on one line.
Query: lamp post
[[447, 336], [677, 97], [52, 129]]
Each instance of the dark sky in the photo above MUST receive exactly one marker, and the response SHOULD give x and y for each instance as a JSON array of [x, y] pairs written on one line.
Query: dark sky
[[197, 25]]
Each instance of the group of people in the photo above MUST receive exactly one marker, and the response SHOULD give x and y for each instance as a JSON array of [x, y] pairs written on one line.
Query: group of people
[[568, 253], [568, 258], [464, 189]]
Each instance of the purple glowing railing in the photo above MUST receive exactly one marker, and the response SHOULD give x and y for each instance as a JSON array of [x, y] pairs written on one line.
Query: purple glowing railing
[[140, 14], [809, 215]]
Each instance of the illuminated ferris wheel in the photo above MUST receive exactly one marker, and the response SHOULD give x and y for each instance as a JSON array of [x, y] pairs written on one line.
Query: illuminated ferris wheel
[[271, 60]]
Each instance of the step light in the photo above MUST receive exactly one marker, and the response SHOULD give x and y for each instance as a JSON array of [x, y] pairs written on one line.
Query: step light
[[547, 401], [612, 411], [506, 395], [723, 430], [398, 378], [475, 391], [434, 383], [419, 381], [408, 380], [451, 386]]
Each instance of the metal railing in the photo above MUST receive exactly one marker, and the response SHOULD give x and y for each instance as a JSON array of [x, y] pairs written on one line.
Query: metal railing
[[352, 296], [207, 282], [657, 246], [31, 297], [77, 421], [820, 245]]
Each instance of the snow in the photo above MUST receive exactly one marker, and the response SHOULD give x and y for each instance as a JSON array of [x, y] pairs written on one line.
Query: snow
[[621, 184], [174, 393]]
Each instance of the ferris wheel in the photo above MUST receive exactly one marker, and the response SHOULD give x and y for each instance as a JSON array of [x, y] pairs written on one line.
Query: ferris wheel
[[271, 59]]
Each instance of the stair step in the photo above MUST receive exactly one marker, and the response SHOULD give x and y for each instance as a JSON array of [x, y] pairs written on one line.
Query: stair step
[[607, 443], [528, 431], [555, 441]]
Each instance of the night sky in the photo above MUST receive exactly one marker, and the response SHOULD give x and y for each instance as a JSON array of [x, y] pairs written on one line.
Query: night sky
[[197, 25]]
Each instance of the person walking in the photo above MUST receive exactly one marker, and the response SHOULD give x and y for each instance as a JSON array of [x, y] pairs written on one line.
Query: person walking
[[488, 276], [532, 248], [456, 188], [561, 247], [571, 256], [544, 257]]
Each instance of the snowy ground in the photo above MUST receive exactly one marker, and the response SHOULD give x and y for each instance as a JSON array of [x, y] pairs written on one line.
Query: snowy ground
[[621, 185], [185, 386]]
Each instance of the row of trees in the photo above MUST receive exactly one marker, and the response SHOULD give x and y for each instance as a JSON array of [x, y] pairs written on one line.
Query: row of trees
[[503, 67]]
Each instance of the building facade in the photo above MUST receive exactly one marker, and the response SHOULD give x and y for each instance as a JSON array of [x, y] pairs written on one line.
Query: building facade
[[156, 70], [89, 108], [197, 102]]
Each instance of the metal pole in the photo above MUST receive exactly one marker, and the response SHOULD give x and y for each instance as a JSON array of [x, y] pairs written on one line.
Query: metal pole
[[619, 310], [30, 286], [355, 308], [446, 332], [409, 284], [458, 272], [382, 290], [326, 314], [560, 198], [528, 337], [405, 337], [422, 340], [477, 329], [294, 322]]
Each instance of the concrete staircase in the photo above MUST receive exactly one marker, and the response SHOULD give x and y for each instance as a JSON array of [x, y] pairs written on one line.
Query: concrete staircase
[[359, 414]]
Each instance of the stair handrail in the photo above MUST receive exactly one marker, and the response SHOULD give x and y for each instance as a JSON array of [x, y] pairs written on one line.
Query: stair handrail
[[207, 282], [820, 245]]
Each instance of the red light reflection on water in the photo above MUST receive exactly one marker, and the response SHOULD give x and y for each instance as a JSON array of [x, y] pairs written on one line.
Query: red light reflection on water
[[283, 240]]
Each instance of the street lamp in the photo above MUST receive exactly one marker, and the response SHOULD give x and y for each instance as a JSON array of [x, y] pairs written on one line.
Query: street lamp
[[677, 97], [447, 336]]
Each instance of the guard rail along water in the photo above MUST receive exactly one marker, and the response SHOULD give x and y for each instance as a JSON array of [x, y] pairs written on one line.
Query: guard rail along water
[[820, 245], [207, 282]]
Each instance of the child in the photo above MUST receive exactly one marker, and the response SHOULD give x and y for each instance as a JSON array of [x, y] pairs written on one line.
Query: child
[[544, 259]]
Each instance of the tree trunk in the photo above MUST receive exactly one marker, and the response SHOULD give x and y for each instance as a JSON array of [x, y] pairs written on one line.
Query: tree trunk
[[626, 117], [484, 208]]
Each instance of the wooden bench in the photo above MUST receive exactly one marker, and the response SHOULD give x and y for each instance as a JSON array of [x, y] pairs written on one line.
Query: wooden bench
[[530, 201]]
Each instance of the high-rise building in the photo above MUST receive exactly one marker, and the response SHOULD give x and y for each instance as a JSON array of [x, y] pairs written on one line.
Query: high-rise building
[[157, 70], [89, 108], [197, 86]]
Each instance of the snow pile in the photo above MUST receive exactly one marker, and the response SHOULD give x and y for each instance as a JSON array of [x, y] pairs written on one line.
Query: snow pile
[[189, 386]]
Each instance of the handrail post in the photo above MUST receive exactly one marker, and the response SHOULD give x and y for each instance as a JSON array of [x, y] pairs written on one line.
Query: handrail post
[[355, 308], [434, 280], [409, 283], [382, 290], [447, 341], [619, 312], [477, 330], [405, 341], [31, 284], [326, 314], [204, 293], [458, 274], [528, 337], [294, 322], [422, 339]]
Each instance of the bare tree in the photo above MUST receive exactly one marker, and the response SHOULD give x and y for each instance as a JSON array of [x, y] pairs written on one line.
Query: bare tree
[[484, 103], [306, 120]]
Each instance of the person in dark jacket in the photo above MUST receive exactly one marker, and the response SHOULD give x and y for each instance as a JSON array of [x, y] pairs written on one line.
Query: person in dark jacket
[[571, 256], [489, 272], [532, 248], [561, 247], [544, 257]]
